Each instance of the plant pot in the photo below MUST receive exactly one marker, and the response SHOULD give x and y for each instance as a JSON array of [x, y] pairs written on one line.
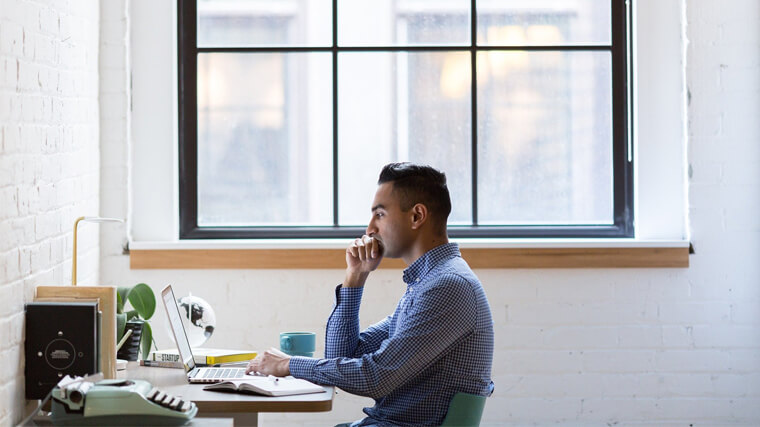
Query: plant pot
[[131, 348]]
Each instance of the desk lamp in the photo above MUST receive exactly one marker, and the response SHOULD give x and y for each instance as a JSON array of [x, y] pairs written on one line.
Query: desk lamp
[[74, 255], [106, 297]]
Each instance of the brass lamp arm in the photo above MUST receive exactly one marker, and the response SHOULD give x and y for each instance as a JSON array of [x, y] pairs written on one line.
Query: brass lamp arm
[[74, 255]]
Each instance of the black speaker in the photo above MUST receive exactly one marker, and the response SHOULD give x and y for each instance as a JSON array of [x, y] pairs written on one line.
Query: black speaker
[[61, 339]]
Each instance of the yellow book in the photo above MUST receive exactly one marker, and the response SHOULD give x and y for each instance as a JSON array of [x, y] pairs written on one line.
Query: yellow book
[[207, 356], [229, 358]]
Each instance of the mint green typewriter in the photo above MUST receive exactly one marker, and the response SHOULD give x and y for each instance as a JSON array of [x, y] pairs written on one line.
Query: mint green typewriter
[[117, 402]]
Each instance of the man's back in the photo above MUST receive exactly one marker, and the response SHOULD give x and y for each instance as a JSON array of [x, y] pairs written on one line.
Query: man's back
[[439, 340], [444, 313]]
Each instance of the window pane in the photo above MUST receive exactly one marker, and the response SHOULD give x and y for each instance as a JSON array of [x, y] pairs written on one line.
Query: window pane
[[543, 22], [403, 22], [544, 138], [403, 107], [264, 139], [235, 23]]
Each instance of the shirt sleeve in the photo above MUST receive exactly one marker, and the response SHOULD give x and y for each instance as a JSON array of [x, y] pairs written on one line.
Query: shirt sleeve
[[437, 320], [342, 337]]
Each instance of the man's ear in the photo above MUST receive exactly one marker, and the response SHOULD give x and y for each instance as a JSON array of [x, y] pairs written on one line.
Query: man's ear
[[419, 215]]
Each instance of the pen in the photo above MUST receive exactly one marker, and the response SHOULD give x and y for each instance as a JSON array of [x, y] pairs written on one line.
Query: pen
[[123, 339], [161, 364], [274, 379]]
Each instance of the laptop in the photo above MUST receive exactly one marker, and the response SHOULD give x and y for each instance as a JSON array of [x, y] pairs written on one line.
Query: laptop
[[195, 373]]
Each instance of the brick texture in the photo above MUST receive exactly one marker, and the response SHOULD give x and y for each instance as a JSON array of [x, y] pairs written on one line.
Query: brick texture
[[666, 347], [49, 163], [580, 347]]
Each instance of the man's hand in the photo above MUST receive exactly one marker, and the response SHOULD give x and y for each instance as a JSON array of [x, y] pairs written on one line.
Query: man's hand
[[272, 362], [362, 257]]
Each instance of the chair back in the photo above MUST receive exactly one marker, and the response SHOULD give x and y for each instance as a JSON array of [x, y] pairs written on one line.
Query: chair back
[[465, 410]]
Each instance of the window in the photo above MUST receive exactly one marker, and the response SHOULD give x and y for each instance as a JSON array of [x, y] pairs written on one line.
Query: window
[[289, 108]]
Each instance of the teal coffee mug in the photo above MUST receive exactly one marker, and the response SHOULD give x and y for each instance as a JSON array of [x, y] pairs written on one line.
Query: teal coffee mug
[[298, 343]]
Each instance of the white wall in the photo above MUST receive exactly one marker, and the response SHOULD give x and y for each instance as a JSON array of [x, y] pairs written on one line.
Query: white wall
[[115, 123], [575, 347], [49, 164], [583, 347]]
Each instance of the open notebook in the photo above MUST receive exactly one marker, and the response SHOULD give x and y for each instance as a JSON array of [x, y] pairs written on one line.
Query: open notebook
[[268, 386]]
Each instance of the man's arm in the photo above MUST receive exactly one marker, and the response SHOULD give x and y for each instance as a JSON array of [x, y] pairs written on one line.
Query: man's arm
[[363, 256], [438, 320], [342, 338]]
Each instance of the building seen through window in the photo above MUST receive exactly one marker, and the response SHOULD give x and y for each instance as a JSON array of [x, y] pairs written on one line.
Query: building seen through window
[[540, 123]]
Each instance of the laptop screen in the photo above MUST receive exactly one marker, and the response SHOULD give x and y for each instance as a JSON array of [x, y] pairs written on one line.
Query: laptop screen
[[175, 321]]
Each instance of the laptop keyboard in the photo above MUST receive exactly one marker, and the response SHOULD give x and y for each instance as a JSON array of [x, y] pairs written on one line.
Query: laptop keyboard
[[224, 373]]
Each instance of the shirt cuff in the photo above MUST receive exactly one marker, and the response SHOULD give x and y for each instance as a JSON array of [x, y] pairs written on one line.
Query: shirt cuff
[[348, 300], [302, 367]]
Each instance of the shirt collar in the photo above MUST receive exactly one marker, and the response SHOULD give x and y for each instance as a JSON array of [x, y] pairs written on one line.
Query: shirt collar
[[419, 268]]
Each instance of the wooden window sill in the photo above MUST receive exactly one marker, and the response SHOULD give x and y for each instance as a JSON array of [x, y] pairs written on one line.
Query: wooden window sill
[[565, 255]]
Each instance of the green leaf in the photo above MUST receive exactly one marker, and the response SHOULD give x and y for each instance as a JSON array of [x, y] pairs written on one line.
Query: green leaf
[[146, 340], [143, 300], [132, 315], [121, 324], [122, 292]]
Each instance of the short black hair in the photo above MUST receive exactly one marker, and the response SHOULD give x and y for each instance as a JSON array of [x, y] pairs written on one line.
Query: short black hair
[[419, 184]]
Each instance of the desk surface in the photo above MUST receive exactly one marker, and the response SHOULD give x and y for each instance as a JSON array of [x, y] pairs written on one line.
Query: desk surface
[[174, 381], [196, 422]]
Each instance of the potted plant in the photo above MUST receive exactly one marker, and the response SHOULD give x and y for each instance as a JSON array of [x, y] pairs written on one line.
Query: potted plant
[[143, 304]]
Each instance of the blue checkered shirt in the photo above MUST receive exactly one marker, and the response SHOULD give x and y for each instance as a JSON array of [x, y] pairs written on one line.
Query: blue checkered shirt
[[438, 341]]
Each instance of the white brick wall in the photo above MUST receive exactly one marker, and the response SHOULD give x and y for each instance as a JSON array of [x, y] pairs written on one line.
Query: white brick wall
[[49, 163], [575, 347]]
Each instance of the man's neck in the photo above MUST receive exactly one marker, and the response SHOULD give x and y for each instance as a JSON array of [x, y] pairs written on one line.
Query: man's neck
[[422, 246]]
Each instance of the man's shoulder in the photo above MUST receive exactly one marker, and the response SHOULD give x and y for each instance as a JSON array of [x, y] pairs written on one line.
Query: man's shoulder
[[450, 291], [454, 270], [454, 281]]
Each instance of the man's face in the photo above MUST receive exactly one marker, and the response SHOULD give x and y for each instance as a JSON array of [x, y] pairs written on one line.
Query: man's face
[[389, 223]]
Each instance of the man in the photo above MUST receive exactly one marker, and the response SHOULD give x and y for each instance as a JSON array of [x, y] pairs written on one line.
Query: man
[[439, 340]]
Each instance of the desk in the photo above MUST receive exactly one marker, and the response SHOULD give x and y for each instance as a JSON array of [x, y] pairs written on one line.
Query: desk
[[196, 422], [244, 408]]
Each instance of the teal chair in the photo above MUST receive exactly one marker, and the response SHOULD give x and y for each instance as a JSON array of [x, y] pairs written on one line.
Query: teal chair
[[465, 410]]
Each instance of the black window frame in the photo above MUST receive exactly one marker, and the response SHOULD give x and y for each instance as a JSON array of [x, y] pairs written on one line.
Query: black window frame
[[622, 147]]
